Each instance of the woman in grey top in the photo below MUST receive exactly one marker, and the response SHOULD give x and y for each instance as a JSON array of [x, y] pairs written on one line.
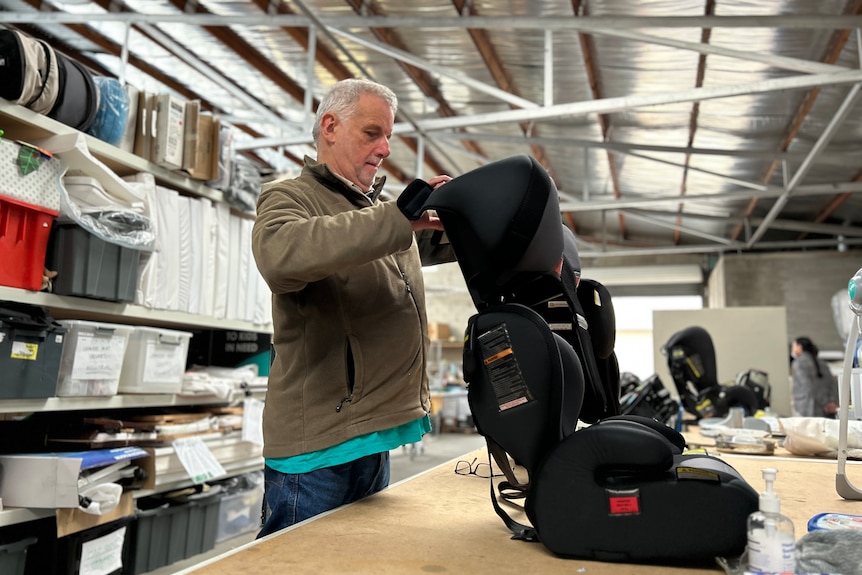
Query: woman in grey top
[[815, 391]]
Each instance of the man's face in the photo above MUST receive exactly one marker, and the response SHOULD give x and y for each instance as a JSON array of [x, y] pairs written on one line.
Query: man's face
[[358, 144]]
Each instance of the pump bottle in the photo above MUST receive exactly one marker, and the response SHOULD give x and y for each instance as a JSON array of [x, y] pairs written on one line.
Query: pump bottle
[[771, 540]]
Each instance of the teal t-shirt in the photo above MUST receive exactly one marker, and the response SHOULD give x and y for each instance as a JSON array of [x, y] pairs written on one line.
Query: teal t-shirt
[[368, 444]]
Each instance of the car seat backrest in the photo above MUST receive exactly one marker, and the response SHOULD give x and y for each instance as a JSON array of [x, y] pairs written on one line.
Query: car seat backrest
[[525, 382]]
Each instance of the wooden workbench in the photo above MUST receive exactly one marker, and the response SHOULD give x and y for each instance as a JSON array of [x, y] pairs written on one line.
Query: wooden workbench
[[440, 522]]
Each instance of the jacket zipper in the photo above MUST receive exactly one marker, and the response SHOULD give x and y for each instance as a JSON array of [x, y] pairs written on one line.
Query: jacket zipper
[[341, 403], [415, 303], [407, 284]]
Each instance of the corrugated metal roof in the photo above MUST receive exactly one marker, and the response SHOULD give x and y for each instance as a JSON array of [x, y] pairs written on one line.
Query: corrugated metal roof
[[669, 126]]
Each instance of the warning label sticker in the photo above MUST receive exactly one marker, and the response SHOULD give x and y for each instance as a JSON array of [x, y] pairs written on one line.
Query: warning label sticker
[[505, 374]]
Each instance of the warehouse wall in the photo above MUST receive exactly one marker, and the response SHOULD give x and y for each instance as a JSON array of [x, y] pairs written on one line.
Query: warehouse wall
[[802, 282]]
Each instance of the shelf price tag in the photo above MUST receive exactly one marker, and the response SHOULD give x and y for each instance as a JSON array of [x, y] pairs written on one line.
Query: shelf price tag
[[197, 459]]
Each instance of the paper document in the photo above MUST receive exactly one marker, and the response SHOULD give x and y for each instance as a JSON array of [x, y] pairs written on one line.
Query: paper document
[[197, 459]]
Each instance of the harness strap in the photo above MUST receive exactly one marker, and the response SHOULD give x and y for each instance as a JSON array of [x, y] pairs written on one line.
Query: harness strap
[[519, 531], [502, 460]]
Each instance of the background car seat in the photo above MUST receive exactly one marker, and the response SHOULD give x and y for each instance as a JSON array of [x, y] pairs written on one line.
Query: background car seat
[[691, 361]]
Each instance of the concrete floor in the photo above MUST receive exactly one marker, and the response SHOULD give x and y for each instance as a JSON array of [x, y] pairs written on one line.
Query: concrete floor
[[434, 449]]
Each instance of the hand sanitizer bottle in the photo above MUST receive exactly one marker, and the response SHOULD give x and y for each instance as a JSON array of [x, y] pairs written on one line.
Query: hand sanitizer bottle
[[771, 540]]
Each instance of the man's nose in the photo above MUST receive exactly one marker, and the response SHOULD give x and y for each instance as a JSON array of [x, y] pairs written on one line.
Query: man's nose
[[383, 148]]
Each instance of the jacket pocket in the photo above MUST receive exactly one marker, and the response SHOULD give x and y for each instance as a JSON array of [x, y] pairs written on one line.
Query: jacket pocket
[[353, 373]]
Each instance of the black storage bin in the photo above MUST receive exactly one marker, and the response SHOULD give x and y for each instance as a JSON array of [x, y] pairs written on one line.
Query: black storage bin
[[171, 531], [203, 522], [68, 551], [13, 556], [88, 266], [30, 349], [155, 538]]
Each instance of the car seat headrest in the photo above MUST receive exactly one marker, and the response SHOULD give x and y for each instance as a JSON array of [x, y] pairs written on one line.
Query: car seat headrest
[[503, 222]]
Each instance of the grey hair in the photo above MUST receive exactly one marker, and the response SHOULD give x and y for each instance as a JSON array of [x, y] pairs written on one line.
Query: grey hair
[[344, 95]]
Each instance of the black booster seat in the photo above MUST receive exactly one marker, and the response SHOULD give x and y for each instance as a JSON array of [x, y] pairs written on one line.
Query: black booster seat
[[538, 358], [690, 357]]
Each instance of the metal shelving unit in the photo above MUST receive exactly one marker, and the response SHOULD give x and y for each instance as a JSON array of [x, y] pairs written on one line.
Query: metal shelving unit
[[22, 124]]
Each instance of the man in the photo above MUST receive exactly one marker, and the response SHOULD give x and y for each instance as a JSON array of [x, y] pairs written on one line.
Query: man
[[348, 380]]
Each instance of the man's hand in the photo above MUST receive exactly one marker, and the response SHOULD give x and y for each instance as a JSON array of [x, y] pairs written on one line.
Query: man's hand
[[438, 181], [429, 220]]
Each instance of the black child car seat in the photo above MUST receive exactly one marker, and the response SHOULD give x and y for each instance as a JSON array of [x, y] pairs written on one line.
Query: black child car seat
[[610, 491], [691, 361]]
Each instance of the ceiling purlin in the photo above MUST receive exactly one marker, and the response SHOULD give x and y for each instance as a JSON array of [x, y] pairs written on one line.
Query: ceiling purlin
[[705, 33], [330, 61], [424, 81], [323, 54], [839, 40], [255, 134], [836, 202], [839, 199], [499, 72], [590, 65]]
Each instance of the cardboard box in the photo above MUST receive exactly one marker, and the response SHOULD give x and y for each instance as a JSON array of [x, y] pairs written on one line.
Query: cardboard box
[[205, 165], [50, 480], [127, 142], [437, 330], [191, 134], [170, 131], [144, 125], [75, 520]]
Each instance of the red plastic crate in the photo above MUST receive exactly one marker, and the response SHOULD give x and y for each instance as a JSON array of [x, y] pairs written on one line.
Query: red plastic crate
[[24, 232]]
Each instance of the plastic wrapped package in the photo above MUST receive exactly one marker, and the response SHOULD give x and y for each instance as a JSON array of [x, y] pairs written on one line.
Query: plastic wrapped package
[[119, 219], [113, 112], [124, 226], [818, 436], [244, 187], [225, 158]]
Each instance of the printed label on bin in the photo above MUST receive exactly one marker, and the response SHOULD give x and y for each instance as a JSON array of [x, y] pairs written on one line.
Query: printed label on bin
[[25, 350], [164, 363], [103, 555], [98, 357]]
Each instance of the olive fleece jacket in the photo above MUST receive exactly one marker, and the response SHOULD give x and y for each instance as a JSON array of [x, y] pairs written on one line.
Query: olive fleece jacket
[[348, 310]]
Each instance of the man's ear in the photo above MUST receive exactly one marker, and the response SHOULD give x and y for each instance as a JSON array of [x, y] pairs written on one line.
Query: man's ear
[[328, 124]]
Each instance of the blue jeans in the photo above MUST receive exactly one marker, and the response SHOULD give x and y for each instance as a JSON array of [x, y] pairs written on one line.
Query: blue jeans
[[291, 498]]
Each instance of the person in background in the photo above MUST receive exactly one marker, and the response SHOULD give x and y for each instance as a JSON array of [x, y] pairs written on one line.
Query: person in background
[[815, 391], [348, 380]]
